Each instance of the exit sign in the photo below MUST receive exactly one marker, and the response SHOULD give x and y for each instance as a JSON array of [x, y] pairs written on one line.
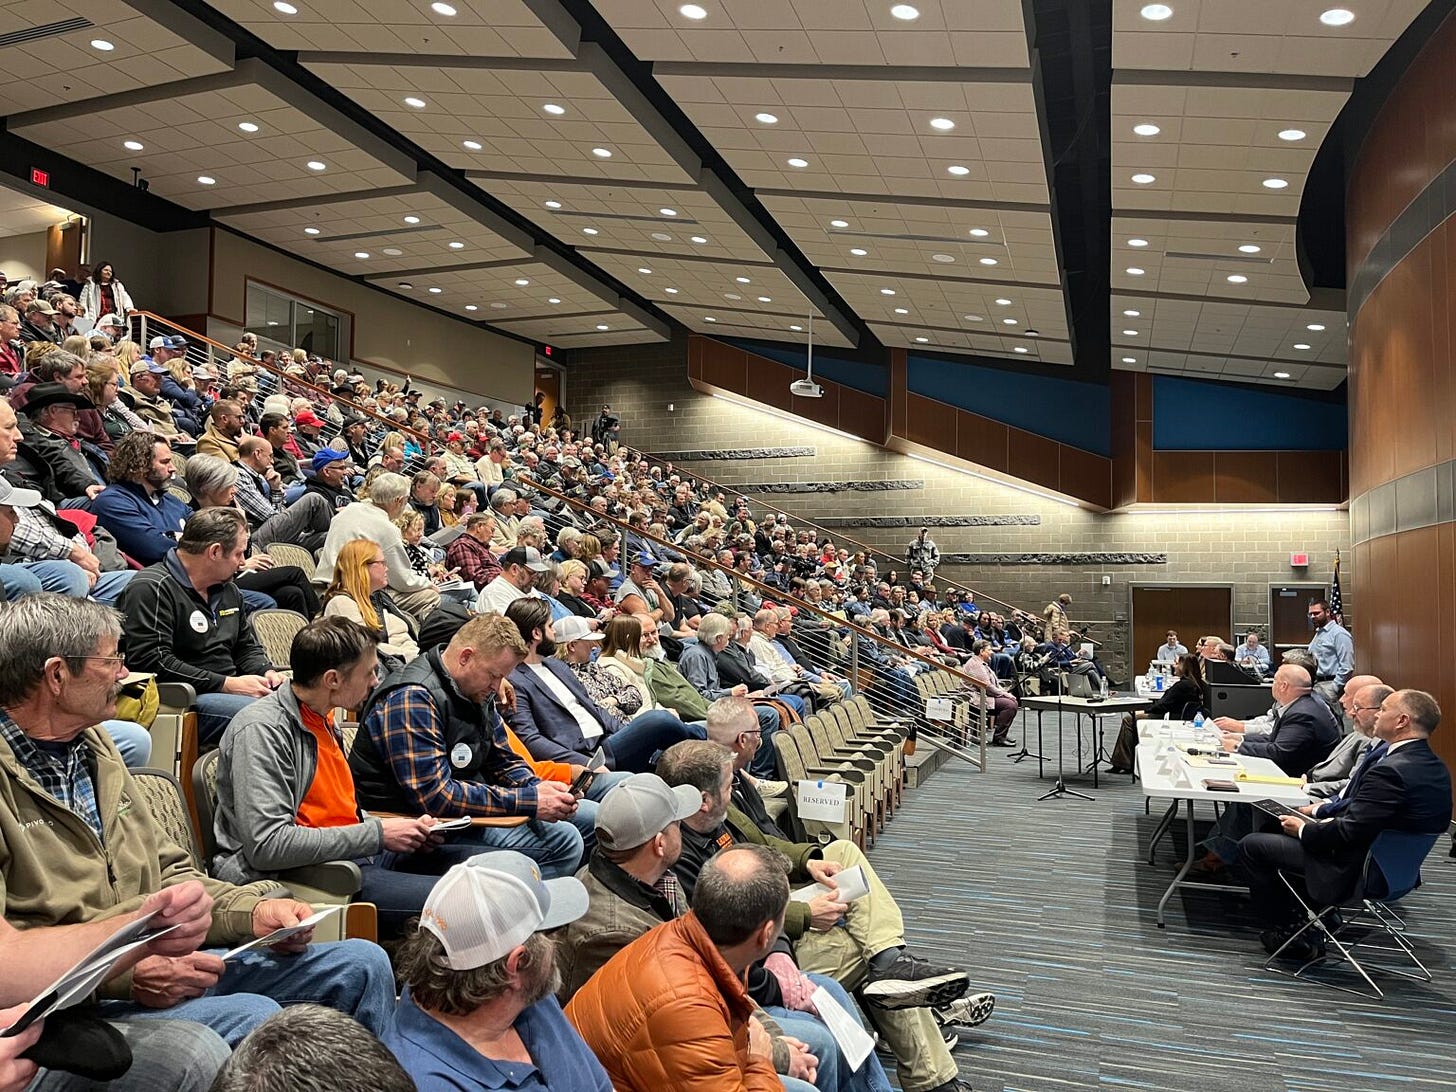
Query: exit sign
[[1299, 561], [39, 177]]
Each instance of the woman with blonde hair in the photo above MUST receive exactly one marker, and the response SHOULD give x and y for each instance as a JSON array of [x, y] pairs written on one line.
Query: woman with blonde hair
[[358, 593]]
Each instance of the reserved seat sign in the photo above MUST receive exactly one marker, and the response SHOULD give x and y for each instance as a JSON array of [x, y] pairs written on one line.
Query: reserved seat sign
[[822, 800]]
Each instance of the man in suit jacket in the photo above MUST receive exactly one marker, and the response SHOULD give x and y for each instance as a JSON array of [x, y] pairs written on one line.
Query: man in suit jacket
[[1304, 731], [1405, 788], [558, 721]]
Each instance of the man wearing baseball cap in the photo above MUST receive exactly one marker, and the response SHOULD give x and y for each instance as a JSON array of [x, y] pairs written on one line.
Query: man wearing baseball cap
[[641, 594], [328, 476], [309, 428], [479, 975], [519, 569]]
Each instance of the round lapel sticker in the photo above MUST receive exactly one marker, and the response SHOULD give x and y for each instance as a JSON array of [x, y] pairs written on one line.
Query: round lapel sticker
[[198, 621], [460, 755]]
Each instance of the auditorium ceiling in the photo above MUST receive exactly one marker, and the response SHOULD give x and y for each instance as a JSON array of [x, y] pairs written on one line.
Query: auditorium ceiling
[[1057, 185]]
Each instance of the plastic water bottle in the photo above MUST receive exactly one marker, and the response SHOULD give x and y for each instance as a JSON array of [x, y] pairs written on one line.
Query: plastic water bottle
[[1198, 719]]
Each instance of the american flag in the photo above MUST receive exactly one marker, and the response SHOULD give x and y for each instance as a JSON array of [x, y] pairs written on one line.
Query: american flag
[[1337, 608]]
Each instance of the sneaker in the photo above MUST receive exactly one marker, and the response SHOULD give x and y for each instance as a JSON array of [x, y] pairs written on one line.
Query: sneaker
[[911, 983], [771, 789], [967, 1012]]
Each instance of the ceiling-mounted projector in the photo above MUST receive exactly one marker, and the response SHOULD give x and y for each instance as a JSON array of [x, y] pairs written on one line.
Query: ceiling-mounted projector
[[806, 388]]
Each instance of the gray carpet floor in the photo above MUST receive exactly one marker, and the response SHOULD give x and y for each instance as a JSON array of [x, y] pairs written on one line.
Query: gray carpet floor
[[1052, 907]]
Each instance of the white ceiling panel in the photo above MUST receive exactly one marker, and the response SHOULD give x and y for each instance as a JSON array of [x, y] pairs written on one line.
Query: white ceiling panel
[[629, 218], [479, 28], [1197, 257], [727, 322], [872, 136], [21, 214], [736, 285], [1258, 36], [918, 339], [502, 112], [491, 295], [967, 306], [989, 33], [379, 227], [571, 331], [66, 67], [624, 335]]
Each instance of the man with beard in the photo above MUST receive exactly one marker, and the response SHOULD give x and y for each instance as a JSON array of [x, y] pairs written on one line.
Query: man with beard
[[479, 1007], [136, 508]]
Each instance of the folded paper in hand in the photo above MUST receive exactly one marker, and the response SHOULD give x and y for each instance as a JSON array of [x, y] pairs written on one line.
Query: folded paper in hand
[[278, 936], [850, 884], [854, 1042], [443, 825]]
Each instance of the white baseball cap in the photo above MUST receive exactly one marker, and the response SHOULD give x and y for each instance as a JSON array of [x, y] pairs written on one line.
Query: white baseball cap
[[575, 628], [489, 905]]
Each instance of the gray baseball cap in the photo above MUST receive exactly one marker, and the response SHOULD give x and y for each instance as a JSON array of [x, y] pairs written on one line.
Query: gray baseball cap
[[641, 807]]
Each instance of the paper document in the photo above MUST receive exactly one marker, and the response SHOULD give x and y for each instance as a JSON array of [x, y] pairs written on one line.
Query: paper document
[[851, 885], [854, 1042], [442, 825], [278, 936], [92, 969], [1266, 779]]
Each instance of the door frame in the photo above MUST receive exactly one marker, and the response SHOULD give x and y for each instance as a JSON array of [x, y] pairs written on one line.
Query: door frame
[[1232, 589], [1314, 587]]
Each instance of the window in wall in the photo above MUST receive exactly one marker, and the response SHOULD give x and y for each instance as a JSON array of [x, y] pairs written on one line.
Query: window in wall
[[282, 321]]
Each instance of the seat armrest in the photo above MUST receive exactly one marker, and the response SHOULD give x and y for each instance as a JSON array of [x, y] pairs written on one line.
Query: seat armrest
[[341, 879], [176, 695]]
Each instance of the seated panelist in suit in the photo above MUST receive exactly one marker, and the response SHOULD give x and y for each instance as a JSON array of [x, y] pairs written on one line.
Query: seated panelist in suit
[[1400, 785], [558, 721], [1304, 730]]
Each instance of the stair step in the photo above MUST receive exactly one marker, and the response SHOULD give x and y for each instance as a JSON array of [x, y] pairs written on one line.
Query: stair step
[[925, 761]]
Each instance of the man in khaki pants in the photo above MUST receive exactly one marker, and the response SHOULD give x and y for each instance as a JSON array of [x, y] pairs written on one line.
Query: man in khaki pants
[[861, 944]]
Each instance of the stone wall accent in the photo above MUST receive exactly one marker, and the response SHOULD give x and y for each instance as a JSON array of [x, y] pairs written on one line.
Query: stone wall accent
[[1053, 559], [930, 521], [871, 485], [735, 453]]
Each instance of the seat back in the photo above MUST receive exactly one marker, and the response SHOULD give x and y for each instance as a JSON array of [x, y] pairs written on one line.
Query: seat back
[[204, 795], [285, 553], [1393, 868], [276, 630], [162, 794]]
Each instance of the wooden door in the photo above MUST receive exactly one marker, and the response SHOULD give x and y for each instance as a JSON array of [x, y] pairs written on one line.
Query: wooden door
[[1194, 610], [1289, 614], [548, 382]]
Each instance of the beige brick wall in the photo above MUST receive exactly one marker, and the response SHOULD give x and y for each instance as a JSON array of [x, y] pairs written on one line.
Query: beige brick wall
[[1249, 550]]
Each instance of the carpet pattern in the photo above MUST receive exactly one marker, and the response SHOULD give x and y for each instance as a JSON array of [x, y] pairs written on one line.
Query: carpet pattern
[[1052, 907]]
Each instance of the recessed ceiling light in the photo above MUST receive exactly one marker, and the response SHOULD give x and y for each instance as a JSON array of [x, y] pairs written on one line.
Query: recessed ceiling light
[[644, 271], [1146, 128], [988, 261], [602, 153], [922, 340], [979, 232], [521, 282], [974, 318], [1237, 278], [670, 291], [887, 291], [766, 118], [310, 231], [404, 285], [442, 9], [1008, 322], [902, 310], [662, 236], [471, 307], [1157, 12], [1129, 333], [1337, 17], [1249, 248], [797, 162], [765, 299], [1144, 179], [248, 126], [1134, 271], [1003, 302], [1020, 349], [317, 165], [693, 11], [603, 326], [553, 204], [709, 318], [742, 280], [286, 9], [590, 231], [436, 291], [102, 44], [797, 329], [500, 306], [699, 239], [472, 145], [839, 223], [858, 252], [946, 258], [361, 254], [1317, 327], [207, 179], [456, 244], [958, 170], [945, 125], [1137, 242], [416, 102], [905, 12], [1281, 375], [554, 299], [553, 108], [411, 219], [1133, 314], [1129, 360], [1301, 345], [132, 145], [668, 212], [731, 296], [392, 251], [1292, 134], [1275, 183]]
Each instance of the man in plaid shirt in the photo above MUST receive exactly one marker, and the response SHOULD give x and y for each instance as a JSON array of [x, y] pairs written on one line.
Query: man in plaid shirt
[[430, 742]]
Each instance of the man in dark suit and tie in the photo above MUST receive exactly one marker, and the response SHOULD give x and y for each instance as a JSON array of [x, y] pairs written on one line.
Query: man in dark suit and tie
[[559, 722], [1400, 785], [1304, 731]]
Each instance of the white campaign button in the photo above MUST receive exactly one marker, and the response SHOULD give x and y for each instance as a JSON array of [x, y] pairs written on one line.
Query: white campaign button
[[198, 621], [460, 755]]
